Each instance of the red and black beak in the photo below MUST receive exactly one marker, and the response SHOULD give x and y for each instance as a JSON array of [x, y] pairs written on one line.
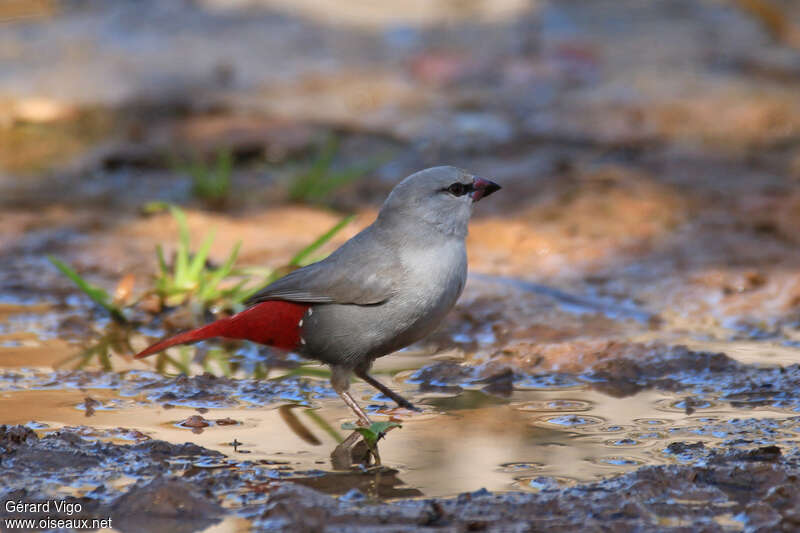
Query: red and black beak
[[482, 188]]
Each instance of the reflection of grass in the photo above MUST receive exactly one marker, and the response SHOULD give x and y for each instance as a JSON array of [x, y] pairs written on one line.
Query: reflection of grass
[[320, 180], [114, 340], [324, 425]]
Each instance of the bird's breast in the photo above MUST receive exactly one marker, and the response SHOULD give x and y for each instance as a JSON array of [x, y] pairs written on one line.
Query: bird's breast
[[434, 279], [435, 276]]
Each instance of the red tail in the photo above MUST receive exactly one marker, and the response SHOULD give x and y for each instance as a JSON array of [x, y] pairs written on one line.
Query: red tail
[[274, 323]]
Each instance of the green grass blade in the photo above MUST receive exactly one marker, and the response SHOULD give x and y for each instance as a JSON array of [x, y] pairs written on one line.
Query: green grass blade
[[209, 283], [184, 242], [328, 152], [303, 254], [222, 183], [306, 184], [227, 267], [162, 263], [198, 261], [96, 294]]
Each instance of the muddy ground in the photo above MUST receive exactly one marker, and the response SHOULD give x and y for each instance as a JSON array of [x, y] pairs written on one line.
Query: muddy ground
[[625, 356]]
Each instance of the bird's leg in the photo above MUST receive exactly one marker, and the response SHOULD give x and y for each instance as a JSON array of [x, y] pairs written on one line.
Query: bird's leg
[[340, 381], [399, 400]]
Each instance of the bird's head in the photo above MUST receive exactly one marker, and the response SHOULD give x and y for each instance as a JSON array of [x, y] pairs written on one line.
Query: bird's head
[[439, 196]]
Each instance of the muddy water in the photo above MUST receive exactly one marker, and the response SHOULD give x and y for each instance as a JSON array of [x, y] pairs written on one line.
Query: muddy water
[[544, 434]]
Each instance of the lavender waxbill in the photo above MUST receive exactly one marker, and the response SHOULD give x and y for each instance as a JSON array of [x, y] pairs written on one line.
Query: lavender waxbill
[[387, 287]]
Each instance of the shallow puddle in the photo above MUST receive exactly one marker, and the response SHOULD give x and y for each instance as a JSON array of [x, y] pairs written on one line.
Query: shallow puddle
[[533, 440], [553, 430]]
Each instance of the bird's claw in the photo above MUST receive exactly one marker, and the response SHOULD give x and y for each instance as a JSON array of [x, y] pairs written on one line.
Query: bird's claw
[[405, 404]]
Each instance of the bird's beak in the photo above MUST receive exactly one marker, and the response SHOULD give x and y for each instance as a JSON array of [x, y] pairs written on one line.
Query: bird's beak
[[482, 188]]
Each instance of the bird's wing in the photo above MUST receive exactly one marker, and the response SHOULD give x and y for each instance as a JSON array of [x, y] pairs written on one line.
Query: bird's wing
[[361, 272]]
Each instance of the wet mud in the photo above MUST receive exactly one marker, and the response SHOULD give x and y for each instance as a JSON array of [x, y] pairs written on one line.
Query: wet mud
[[625, 356], [167, 487]]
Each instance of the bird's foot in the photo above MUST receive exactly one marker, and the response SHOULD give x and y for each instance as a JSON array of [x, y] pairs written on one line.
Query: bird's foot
[[405, 404]]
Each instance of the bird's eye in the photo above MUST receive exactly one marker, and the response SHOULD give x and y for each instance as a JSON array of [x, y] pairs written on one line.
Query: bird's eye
[[458, 189]]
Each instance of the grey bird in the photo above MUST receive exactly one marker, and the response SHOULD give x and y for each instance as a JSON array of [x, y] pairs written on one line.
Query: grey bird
[[384, 289]]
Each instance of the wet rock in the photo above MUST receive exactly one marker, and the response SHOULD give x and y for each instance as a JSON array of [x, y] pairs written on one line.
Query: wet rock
[[501, 383], [766, 453], [292, 507], [442, 377], [683, 448], [63, 455], [165, 505], [56, 451], [52, 460], [759, 516], [630, 368], [195, 421], [160, 449], [15, 436]]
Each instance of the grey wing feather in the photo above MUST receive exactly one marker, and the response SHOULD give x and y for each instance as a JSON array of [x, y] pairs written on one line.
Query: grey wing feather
[[361, 272]]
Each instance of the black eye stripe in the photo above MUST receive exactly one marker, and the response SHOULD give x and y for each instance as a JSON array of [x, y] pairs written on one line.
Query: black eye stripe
[[458, 189]]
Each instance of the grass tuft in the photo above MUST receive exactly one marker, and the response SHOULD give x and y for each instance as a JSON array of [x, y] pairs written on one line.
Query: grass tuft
[[189, 280], [316, 184], [211, 182]]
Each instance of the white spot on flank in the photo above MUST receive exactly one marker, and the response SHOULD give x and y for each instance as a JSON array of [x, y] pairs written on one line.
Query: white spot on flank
[[302, 340], [300, 324], [310, 311]]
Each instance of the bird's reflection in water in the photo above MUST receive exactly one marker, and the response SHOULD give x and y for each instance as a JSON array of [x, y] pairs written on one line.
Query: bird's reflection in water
[[352, 462]]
